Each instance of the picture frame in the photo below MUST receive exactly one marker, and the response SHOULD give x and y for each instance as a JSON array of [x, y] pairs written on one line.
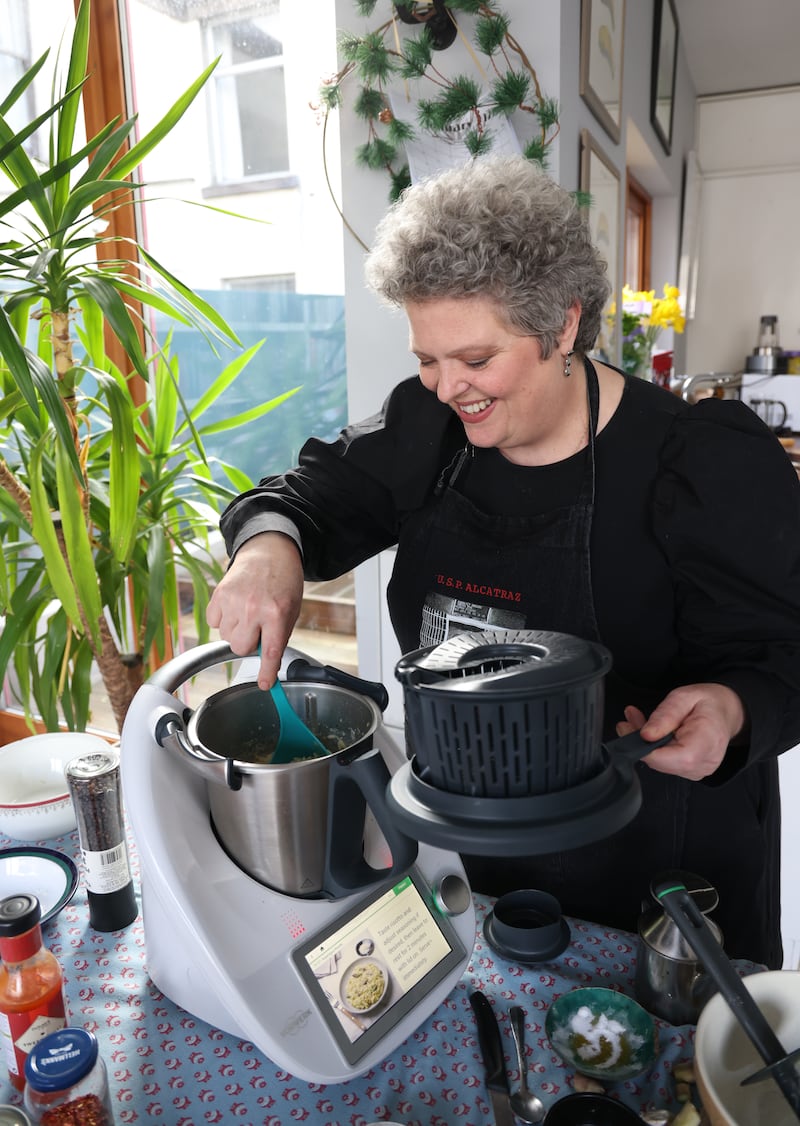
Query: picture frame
[[602, 42], [664, 65], [600, 179]]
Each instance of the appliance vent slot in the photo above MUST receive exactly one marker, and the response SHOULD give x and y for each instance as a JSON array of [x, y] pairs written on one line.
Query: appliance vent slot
[[483, 668]]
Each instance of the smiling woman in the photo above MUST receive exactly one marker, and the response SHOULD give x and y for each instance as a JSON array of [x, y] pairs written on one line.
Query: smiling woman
[[507, 476]]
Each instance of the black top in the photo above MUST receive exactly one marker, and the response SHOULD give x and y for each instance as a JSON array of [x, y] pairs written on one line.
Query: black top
[[695, 565]]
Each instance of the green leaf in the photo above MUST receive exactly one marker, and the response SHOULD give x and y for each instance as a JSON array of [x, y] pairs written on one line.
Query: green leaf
[[194, 299], [248, 416], [157, 579], [330, 95], [224, 380], [510, 91], [417, 56], [19, 87], [135, 155], [376, 153], [477, 143], [102, 290], [68, 115], [123, 474], [45, 535], [373, 60], [369, 102], [490, 31], [79, 547], [535, 150], [14, 356]]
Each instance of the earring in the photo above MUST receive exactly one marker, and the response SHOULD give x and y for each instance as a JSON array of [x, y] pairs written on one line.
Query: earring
[[568, 362]]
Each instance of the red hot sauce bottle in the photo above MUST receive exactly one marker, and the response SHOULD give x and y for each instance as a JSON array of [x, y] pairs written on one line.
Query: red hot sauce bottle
[[31, 984]]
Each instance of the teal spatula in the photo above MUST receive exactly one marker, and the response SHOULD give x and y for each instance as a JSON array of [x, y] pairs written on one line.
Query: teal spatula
[[295, 740]]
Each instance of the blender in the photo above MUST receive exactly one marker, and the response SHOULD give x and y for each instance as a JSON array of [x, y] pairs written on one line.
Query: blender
[[328, 978]]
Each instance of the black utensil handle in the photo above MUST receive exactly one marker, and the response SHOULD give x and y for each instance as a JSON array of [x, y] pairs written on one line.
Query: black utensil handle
[[694, 927], [490, 1042], [301, 669]]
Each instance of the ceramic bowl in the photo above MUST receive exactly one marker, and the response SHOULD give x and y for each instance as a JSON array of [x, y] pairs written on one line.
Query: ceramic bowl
[[364, 985], [602, 1033], [34, 797], [725, 1055]]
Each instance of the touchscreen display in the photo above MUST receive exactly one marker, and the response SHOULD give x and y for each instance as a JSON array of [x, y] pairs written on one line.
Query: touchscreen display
[[377, 961]]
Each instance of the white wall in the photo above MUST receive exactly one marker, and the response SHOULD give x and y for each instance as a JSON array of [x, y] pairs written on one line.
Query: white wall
[[748, 151]]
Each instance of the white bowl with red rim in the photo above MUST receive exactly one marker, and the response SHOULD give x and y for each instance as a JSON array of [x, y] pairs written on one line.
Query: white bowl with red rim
[[35, 804]]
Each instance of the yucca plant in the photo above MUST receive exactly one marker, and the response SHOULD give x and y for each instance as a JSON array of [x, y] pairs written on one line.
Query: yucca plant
[[103, 498]]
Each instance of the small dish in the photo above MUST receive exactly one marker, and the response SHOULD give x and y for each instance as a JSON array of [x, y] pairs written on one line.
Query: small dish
[[364, 985], [602, 1033], [49, 875], [36, 804]]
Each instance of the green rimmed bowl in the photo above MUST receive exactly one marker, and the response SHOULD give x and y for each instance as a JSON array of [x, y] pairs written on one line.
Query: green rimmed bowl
[[602, 1033]]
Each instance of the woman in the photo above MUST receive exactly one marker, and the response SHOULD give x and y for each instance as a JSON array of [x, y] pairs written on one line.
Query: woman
[[574, 499]]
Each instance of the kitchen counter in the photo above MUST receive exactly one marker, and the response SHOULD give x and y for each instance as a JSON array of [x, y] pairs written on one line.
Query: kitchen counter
[[168, 1066]]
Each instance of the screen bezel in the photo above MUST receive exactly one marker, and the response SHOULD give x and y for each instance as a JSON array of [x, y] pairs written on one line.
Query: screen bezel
[[355, 1050]]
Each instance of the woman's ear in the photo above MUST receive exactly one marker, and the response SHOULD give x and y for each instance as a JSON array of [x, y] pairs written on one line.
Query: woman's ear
[[570, 330]]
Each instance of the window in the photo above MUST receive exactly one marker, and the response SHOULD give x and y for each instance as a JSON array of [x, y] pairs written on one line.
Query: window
[[15, 58], [269, 283], [638, 206], [249, 130]]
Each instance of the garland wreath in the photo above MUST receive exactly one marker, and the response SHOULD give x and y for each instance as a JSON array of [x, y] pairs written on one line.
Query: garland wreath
[[375, 64]]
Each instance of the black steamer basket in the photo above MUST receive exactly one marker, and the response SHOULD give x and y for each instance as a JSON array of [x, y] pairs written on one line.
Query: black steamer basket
[[505, 730]]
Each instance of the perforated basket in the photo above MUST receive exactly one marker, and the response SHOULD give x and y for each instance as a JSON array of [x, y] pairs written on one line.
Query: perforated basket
[[506, 714]]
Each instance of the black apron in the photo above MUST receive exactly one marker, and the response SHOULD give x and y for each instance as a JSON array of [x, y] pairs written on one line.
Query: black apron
[[468, 569]]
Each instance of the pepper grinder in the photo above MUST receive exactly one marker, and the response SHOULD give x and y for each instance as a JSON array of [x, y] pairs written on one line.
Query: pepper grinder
[[94, 784]]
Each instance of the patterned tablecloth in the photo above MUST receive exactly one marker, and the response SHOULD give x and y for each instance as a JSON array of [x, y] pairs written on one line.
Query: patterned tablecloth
[[167, 1066]]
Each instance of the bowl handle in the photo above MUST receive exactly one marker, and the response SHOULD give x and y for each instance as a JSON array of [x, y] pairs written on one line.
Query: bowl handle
[[634, 747], [354, 784]]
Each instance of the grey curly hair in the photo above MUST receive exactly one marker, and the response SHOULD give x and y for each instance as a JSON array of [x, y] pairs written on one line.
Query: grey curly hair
[[497, 228]]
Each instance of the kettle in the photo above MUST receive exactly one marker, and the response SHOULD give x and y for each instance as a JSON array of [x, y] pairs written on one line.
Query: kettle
[[671, 982]]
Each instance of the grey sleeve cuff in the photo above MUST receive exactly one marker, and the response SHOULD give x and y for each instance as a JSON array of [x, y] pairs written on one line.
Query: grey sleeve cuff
[[267, 522]]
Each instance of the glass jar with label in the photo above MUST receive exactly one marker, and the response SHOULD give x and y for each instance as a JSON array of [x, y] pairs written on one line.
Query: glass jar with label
[[66, 1083]]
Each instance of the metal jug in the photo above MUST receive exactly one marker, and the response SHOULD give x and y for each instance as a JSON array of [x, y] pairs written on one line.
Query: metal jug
[[670, 980], [298, 827]]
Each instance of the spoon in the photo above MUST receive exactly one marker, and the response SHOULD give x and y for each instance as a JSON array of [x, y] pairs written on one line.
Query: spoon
[[525, 1105], [295, 740]]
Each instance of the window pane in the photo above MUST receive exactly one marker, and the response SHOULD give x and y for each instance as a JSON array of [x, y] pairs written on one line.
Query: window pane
[[252, 124]]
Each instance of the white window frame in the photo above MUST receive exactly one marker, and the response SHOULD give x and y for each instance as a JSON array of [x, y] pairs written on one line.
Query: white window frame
[[227, 157]]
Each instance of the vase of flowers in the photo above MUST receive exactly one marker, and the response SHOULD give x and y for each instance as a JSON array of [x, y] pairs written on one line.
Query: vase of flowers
[[643, 317]]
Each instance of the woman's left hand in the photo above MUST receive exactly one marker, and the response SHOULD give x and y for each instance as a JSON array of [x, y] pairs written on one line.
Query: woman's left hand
[[704, 718]]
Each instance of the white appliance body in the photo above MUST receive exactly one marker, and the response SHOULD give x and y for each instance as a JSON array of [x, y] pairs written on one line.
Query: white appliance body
[[219, 944], [784, 388]]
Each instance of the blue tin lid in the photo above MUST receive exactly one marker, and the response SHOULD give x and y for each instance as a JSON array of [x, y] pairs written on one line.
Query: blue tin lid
[[61, 1059]]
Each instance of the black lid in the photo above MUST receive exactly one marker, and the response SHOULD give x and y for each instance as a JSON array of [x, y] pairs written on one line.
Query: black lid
[[18, 914]]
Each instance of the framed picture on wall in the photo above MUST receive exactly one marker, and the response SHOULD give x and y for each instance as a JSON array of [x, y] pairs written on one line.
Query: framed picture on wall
[[662, 78], [602, 38], [600, 180]]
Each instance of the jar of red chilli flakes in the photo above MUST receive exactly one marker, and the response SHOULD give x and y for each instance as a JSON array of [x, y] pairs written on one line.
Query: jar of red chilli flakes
[[66, 1083]]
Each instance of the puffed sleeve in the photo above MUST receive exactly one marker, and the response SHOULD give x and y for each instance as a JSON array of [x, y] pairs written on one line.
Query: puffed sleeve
[[345, 500], [727, 514]]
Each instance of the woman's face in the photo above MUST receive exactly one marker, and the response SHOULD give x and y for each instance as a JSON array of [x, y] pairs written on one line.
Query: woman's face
[[495, 380]]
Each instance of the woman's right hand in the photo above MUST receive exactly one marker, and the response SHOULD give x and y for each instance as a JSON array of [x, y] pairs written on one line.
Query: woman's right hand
[[258, 600]]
